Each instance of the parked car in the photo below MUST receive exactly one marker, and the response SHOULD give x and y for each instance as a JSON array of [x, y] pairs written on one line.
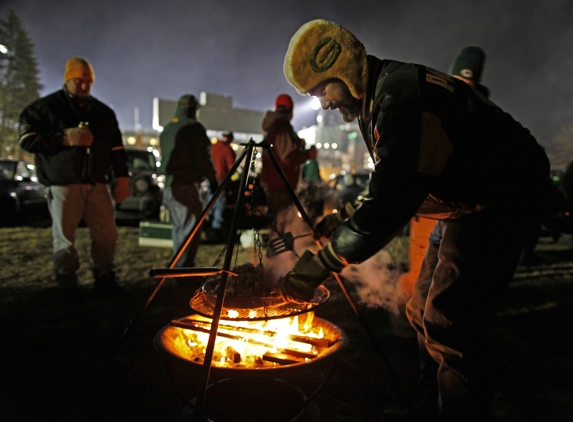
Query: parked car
[[350, 185], [21, 195], [145, 186]]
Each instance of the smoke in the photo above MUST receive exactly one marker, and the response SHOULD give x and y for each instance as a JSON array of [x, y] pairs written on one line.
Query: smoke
[[377, 280]]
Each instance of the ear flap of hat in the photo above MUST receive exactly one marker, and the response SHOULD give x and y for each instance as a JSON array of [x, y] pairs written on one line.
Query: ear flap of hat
[[322, 50]]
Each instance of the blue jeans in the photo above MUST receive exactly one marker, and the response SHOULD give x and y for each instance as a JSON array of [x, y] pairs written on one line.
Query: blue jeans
[[68, 205], [218, 210], [469, 262], [185, 210]]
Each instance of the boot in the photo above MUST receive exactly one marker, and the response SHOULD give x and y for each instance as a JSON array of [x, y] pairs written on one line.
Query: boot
[[105, 285], [68, 284]]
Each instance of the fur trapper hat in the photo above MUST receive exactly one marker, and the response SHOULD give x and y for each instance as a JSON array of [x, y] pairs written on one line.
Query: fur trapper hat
[[322, 50]]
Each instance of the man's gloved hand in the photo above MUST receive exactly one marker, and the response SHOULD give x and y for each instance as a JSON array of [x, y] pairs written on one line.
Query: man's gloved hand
[[300, 283], [121, 189], [331, 222], [78, 137], [213, 186]]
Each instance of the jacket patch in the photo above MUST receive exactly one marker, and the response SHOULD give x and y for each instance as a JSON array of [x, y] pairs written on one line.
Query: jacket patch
[[441, 79]]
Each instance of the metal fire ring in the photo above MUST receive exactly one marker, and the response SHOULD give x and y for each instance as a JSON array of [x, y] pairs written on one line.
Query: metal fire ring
[[203, 305]]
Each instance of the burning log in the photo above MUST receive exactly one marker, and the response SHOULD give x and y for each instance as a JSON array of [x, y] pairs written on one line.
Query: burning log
[[205, 327]]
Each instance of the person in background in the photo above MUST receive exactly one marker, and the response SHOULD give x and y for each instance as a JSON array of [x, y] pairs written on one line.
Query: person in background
[[441, 150], [467, 66], [310, 169], [289, 151], [186, 152], [77, 144], [223, 159]]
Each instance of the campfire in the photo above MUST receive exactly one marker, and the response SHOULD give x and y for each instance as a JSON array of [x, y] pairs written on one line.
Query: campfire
[[253, 345]]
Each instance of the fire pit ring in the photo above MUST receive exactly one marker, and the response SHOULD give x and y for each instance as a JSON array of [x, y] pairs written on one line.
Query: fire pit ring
[[276, 381], [168, 342]]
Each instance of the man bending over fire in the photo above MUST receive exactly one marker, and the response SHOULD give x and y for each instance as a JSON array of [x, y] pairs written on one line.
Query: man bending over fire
[[443, 151]]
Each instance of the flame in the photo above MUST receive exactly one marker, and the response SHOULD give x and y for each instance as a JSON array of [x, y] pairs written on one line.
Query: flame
[[252, 344]]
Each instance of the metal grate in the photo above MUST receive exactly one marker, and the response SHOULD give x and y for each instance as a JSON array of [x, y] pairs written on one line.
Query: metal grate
[[203, 305]]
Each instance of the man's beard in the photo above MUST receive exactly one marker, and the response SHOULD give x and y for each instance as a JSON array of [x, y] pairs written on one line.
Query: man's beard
[[349, 106]]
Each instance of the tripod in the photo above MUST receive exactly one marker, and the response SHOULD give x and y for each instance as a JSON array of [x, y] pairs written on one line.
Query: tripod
[[171, 271]]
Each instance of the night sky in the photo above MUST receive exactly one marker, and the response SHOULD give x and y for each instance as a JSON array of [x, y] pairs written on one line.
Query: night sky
[[144, 49]]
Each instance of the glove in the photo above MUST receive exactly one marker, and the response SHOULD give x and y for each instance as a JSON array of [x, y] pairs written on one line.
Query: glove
[[331, 222], [308, 273], [213, 186], [78, 137], [121, 189]]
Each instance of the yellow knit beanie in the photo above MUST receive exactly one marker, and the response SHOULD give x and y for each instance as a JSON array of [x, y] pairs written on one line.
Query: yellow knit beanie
[[78, 67], [322, 50]]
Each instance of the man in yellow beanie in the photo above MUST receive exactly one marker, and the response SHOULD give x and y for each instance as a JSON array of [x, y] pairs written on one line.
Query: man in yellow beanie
[[77, 145], [441, 150]]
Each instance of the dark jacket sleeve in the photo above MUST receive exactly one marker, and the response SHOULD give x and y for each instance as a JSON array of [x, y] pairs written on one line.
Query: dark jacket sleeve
[[117, 153], [36, 134], [399, 184]]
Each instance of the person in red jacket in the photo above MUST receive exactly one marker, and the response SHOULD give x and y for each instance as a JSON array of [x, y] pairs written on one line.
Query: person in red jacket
[[289, 151], [223, 157]]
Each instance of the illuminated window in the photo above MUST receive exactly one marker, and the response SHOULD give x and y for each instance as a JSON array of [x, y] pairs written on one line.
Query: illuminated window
[[131, 140], [153, 141]]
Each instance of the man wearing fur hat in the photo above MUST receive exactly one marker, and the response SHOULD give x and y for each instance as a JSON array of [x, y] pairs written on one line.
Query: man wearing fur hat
[[186, 162], [76, 143], [441, 151]]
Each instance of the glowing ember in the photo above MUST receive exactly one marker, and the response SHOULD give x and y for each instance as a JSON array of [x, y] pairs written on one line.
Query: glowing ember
[[251, 344]]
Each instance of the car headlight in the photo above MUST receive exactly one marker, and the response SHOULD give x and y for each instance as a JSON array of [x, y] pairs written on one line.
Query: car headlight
[[141, 185]]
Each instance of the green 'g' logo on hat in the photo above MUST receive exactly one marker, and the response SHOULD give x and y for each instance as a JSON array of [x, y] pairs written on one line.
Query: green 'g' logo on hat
[[328, 57]]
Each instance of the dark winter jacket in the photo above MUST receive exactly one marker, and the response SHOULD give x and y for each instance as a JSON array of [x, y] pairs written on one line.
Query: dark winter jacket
[[186, 151], [287, 148], [441, 150], [41, 129]]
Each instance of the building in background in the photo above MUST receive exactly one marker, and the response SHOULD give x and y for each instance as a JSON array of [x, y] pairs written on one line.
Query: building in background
[[340, 145]]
